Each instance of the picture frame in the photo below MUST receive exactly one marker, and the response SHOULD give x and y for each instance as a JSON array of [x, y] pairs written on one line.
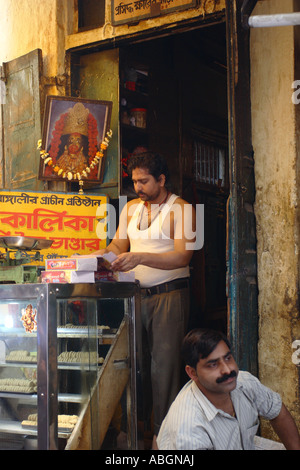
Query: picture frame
[[74, 139]]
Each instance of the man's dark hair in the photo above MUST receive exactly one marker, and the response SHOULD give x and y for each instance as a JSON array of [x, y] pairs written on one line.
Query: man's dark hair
[[153, 162], [199, 343]]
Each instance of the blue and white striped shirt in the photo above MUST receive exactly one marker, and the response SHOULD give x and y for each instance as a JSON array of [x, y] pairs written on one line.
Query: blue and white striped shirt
[[194, 423]]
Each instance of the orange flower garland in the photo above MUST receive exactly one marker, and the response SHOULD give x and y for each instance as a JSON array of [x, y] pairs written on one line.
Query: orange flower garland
[[94, 154], [56, 135]]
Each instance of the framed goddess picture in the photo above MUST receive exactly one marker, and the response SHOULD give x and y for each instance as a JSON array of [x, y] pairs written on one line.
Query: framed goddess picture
[[76, 135]]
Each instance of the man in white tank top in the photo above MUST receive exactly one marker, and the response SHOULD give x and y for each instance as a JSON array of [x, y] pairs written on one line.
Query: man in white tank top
[[154, 238]]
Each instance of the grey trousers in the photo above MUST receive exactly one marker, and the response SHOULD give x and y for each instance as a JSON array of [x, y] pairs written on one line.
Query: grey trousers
[[160, 331]]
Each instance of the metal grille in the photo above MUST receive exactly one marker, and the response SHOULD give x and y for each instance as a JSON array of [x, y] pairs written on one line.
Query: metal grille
[[210, 163]]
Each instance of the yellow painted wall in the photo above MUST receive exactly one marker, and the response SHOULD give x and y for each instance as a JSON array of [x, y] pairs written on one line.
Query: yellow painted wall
[[36, 24], [276, 157], [51, 25]]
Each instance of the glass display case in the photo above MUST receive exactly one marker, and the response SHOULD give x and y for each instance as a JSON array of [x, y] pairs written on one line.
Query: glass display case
[[67, 363]]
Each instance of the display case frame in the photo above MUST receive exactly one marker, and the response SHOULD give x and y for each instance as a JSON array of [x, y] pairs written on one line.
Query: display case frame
[[46, 297]]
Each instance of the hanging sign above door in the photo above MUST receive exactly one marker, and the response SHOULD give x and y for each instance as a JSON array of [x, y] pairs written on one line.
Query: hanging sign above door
[[128, 11]]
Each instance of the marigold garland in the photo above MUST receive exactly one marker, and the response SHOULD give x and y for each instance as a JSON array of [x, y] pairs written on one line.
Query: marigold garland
[[95, 155]]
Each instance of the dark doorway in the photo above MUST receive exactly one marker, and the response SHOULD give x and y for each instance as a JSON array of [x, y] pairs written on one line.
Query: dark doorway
[[177, 87]]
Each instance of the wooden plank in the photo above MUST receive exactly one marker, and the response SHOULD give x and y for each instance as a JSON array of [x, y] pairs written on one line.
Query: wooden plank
[[241, 253], [95, 419], [113, 381], [127, 11]]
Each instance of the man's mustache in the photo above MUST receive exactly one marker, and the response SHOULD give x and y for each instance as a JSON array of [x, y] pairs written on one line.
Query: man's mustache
[[226, 377]]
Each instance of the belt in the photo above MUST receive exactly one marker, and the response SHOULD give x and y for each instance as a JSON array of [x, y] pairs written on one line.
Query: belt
[[165, 287]]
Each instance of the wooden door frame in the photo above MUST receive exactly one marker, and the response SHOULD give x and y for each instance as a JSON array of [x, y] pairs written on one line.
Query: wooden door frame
[[241, 236], [242, 287]]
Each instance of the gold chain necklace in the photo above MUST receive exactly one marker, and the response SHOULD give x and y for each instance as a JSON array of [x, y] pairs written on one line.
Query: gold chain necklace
[[156, 205]]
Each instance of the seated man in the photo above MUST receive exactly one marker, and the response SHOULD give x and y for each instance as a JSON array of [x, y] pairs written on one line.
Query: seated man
[[218, 409]]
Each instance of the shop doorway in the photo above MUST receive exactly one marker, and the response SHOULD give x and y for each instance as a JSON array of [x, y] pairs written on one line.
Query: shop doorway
[[189, 92], [173, 100]]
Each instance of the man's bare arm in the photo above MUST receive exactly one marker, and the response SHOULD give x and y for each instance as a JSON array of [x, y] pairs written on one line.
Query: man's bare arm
[[117, 246], [286, 429], [120, 242]]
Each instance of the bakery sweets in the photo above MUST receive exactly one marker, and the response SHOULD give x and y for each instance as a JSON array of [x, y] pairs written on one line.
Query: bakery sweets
[[83, 357], [64, 421], [18, 385], [20, 356]]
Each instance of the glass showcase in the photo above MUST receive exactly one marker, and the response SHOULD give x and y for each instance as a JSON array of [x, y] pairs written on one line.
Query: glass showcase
[[67, 364]]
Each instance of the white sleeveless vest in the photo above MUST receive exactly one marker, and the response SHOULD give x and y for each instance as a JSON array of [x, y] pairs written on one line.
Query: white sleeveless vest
[[154, 239]]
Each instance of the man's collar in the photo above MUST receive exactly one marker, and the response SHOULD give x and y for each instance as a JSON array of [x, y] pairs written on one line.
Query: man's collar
[[208, 408]]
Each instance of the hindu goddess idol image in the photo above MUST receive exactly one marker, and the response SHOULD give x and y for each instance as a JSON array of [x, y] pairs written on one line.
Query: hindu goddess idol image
[[74, 141]]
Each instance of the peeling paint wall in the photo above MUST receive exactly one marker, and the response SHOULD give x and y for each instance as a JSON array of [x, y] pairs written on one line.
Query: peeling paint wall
[[51, 25], [276, 161], [31, 24]]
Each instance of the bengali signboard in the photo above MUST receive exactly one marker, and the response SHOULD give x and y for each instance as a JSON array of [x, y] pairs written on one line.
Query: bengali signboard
[[127, 11], [70, 220]]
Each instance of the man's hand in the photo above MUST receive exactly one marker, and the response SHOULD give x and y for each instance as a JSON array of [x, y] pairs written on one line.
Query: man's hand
[[126, 262]]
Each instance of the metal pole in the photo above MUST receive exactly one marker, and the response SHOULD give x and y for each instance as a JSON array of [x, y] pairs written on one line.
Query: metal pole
[[266, 21]]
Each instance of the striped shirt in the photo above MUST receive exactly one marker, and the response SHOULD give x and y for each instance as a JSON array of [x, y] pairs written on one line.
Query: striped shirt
[[194, 423]]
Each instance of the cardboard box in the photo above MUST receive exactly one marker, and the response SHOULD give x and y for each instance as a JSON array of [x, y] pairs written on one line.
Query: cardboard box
[[84, 269], [104, 276], [128, 276], [72, 264], [81, 263], [115, 276], [67, 276]]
